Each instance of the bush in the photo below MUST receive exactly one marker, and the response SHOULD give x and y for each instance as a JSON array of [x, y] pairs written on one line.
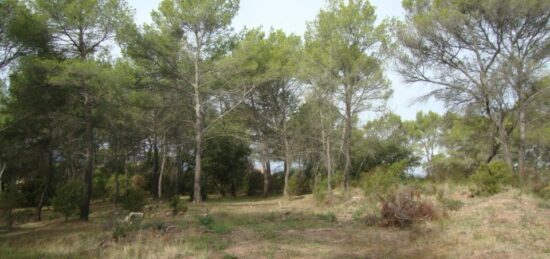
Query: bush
[[122, 230], [8, 202], [329, 217], [212, 225], [138, 182], [133, 200], [69, 197], [405, 207], [383, 180], [177, 205], [298, 184], [320, 191], [490, 178], [110, 186]]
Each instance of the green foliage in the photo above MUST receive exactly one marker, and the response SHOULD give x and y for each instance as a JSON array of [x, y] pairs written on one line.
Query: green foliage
[[177, 205], [110, 186], [298, 183], [206, 220], [218, 227], [226, 162], [329, 217], [383, 180], [122, 230], [490, 178], [133, 200], [320, 190], [69, 197], [544, 192], [9, 200]]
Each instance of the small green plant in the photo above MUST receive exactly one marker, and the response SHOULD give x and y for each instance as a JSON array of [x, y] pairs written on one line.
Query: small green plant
[[134, 200], [217, 227], [452, 204], [320, 191], [122, 230], [177, 205], [69, 197], [489, 179], [329, 217], [544, 192], [206, 220]]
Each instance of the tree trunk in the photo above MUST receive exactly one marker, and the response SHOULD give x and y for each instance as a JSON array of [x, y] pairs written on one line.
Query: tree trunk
[[267, 174], [347, 140], [163, 161], [329, 165], [197, 197], [40, 204], [155, 166], [522, 140], [85, 208], [287, 165]]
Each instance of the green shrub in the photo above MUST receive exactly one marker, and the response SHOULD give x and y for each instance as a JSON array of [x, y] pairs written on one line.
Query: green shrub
[[177, 205], [298, 184], [69, 197], [452, 204], [320, 191], [8, 202], [206, 220], [544, 192], [383, 180], [110, 187], [490, 178], [133, 200], [218, 227], [329, 217], [122, 230]]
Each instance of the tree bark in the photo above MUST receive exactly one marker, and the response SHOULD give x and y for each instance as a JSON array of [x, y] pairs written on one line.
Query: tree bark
[[85, 207], [197, 197], [347, 139], [522, 140], [287, 164], [163, 161], [267, 174]]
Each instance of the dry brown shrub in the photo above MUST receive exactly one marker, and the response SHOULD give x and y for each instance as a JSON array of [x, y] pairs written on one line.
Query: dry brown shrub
[[404, 207]]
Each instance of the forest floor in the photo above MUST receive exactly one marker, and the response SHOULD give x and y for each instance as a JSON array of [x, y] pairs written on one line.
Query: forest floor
[[507, 225]]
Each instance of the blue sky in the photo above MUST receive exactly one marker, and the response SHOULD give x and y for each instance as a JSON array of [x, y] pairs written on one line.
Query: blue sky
[[291, 16]]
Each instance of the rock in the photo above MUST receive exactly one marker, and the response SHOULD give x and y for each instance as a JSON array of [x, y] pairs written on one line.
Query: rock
[[133, 217]]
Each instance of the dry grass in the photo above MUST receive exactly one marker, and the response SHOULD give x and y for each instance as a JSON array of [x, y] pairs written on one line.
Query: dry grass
[[507, 225]]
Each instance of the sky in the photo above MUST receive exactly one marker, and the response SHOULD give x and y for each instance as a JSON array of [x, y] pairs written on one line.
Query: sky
[[292, 16]]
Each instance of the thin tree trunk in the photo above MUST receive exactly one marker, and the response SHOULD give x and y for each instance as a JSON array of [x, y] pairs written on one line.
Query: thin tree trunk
[[197, 198], [329, 165], [163, 161], [522, 140], [287, 165], [85, 208], [347, 141]]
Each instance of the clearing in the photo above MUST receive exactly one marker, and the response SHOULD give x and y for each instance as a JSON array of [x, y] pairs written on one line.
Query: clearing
[[507, 225]]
